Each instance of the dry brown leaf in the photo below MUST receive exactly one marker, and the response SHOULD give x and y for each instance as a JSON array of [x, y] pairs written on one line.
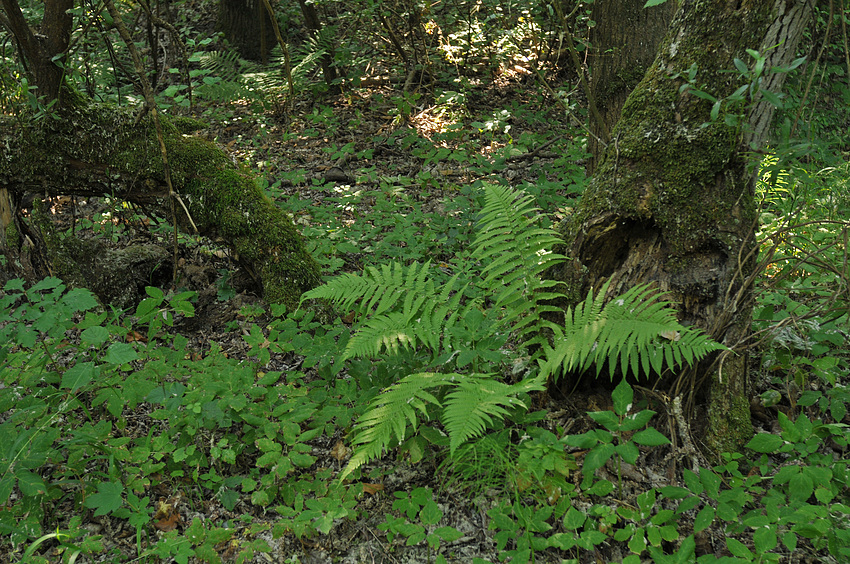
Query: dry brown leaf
[[340, 451], [372, 489]]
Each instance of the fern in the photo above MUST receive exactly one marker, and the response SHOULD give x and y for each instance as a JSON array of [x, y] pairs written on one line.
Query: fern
[[516, 254], [469, 411], [421, 317], [390, 414], [478, 397], [403, 308], [637, 331]]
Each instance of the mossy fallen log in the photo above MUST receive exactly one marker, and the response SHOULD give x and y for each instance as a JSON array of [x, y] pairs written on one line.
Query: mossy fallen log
[[96, 149]]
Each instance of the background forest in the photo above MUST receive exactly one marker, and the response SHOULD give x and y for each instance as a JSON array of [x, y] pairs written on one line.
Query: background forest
[[319, 313]]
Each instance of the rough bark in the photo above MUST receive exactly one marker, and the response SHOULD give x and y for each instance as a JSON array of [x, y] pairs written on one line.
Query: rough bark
[[43, 50], [625, 41], [248, 27], [672, 201], [95, 149]]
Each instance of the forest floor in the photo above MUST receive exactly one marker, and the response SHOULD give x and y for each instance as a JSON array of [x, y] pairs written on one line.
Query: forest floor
[[369, 177]]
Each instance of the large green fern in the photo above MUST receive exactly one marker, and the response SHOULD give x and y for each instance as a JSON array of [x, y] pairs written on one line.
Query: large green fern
[[469, 410], [403, 307], [637, 332]]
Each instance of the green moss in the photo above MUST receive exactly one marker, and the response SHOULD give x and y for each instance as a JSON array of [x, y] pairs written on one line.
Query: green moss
[[98, 145], [186, 125], [13, 238]]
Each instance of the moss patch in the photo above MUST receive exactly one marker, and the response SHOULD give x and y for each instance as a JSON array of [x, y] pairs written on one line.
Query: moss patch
[[109, 150]]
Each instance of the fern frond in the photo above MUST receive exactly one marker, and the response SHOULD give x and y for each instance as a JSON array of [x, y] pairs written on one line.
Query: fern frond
[[307, 64], [637, 331], [470, 407], [420, 319], [400, 406], [515, 252], [377, 289]]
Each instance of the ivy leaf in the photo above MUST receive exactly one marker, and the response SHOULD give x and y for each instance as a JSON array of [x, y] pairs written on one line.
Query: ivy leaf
[[651, 3]]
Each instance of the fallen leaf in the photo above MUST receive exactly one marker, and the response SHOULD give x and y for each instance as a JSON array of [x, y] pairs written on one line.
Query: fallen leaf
[[372, 489], [340, 451]]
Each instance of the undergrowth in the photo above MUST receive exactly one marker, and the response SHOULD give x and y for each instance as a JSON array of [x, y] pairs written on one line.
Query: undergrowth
[[441, 362]]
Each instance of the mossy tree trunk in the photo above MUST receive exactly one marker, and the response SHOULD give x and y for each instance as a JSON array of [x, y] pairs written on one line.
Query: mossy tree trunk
[[624, 40], [672, 201], [91, 149], [97, 149]]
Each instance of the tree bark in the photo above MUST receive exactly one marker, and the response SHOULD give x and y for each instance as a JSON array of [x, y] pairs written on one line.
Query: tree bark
[[99, 150], [625, 41], [248, 27], [672, 201], [91, 149], [311, 18], [43, 51]]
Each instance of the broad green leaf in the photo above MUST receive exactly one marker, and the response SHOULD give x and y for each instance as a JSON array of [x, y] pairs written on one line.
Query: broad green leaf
[[448, 534], [574, 519], [120, 353], [622, 396], [704, 518], [96, 335], [430, 514], [651, 3], [765, 442], [107, 499], [737, 548], [30, 483], [650, 437], [597, 457], [79, 375], [800, 487]]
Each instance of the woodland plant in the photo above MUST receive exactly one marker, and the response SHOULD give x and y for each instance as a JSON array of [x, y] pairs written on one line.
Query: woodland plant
[[458, 335]]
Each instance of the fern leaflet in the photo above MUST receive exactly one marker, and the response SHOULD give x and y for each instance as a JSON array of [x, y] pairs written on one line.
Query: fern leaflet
[[391, 412], [637, 330], [475, 399]]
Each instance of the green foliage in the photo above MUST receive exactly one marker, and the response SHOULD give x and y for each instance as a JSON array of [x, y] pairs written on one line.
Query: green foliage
[[636, 332], [453, 324], [601, 444], [418, 505]]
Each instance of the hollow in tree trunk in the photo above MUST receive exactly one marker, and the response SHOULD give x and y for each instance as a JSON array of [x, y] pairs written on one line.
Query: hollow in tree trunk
[[672, 201]]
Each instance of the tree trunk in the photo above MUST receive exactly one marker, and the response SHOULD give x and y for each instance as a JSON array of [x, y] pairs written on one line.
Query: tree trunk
[[96, 150], [672, 201], [311, 18], [43, 52], [625, 41], [248, 27], [92, 149]]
